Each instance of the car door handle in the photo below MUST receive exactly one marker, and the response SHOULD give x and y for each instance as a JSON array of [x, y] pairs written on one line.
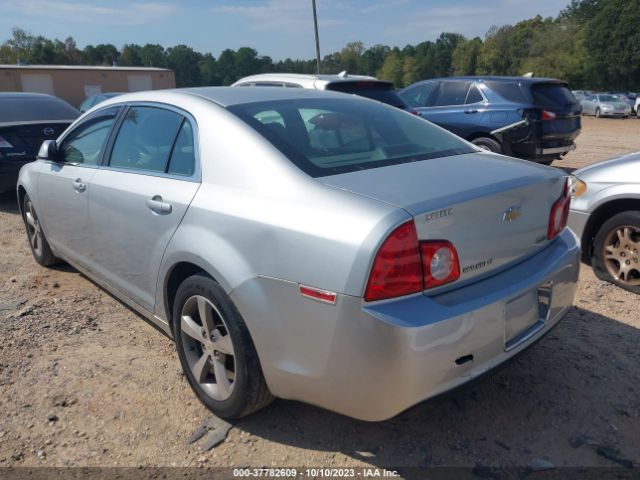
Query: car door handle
[[78, 186], [471, 111], [156, 205]]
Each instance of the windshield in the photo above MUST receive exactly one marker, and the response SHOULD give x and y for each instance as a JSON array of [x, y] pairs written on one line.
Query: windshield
[[608, 98], [331, 136]]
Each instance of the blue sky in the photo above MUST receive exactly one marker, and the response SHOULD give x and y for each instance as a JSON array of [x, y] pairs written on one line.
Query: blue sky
[[278, 28]]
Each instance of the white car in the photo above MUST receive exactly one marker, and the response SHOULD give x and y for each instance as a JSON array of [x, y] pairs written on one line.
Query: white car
[[364, 86]]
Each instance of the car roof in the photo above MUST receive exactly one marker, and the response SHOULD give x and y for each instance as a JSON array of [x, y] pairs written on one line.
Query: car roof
[[524, 80], [225, 96], [24, 95], [306, 80]]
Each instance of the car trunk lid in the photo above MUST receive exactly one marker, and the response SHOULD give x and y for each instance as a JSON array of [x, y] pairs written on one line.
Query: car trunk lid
[[21, 141], [494, 210]]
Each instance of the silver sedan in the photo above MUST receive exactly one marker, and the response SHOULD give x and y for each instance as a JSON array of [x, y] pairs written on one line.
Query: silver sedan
[[605, 105], [606, 216], [306, 245]]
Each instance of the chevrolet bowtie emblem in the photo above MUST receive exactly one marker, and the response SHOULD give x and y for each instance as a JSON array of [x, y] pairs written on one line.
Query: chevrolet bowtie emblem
[[511, 214]]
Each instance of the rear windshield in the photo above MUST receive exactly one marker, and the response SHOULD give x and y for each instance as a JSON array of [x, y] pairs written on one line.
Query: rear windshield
[[552, 95], [332, 136], [27, 109], [380, 91]]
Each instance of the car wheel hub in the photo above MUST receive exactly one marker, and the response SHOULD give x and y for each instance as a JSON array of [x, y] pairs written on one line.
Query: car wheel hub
[[622, 254], [33, 229], [208, 347]]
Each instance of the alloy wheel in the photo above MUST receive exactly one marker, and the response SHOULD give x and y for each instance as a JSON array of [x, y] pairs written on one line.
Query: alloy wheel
[[34, 230], [208, 347], [621, 254]]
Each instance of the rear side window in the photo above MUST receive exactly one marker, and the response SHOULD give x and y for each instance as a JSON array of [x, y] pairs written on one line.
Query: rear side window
[[451, 93], [474, 95], [145, 139], [511, 91], [552, 95], [380, 91], [183, 159], [330, 136]]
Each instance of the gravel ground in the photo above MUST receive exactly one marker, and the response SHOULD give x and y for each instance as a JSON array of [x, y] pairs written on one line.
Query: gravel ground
[[84, 381]]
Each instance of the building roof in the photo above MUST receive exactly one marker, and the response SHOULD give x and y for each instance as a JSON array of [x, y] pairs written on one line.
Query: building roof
[[81, 67]]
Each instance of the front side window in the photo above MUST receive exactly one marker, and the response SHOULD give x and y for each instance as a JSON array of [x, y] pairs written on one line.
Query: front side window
[[451, 93], [330, 136], [418, 95], [145, 139], [85, 144]]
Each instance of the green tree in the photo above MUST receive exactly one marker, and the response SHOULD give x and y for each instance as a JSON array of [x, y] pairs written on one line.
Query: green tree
[[153, 55], [130, 55], [184, 61], [392, 69], [464, 60]]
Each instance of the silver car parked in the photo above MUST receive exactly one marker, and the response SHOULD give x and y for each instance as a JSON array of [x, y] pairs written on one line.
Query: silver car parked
[[306, 245], [605, 105], [606, 216]]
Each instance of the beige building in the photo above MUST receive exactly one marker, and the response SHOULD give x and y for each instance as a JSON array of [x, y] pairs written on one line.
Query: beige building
[[74, 83]]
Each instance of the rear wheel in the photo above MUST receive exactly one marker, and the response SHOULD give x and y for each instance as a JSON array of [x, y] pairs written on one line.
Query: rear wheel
[[37, 241], [617, 251], [216, 351], [488, 144]]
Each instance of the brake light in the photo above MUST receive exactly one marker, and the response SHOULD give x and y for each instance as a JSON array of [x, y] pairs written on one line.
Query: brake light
[[559, 213], [404, 266], [440, 263], [547, 115], [396, 269]]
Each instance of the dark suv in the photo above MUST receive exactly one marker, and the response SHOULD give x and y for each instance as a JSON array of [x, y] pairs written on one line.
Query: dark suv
[[533, 118]]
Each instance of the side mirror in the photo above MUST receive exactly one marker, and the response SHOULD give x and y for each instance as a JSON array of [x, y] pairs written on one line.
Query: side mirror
[[48, 151]]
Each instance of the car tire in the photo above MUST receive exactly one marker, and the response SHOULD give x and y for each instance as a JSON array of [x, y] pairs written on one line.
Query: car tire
[[617, 245], [35, 235], [221, 365], [488, 144], [597, 113]]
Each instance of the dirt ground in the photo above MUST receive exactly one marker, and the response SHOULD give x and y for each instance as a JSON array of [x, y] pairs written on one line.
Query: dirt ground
[[84, 381]]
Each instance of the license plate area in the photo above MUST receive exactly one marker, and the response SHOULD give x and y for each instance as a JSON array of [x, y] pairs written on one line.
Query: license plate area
[[525, 315]]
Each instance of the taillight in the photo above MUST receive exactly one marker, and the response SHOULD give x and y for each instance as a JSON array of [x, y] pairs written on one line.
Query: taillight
[[396, 269], [404, 266], [547, 115], [559, 213], [440, 263]]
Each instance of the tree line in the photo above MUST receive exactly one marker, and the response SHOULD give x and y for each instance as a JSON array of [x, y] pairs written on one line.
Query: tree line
[[591, 44]]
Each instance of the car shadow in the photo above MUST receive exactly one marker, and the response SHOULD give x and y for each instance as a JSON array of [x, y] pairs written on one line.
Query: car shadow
[[552, 399], [9, 202]]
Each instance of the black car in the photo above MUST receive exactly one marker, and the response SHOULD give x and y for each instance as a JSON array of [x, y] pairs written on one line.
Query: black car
[[533, 118], [26, 120]]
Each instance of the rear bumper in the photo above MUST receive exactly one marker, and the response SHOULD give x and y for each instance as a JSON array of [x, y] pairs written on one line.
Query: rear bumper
[[9, 171], [373, 361]]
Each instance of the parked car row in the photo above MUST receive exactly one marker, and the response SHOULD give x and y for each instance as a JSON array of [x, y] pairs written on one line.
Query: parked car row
[[315, 246]]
